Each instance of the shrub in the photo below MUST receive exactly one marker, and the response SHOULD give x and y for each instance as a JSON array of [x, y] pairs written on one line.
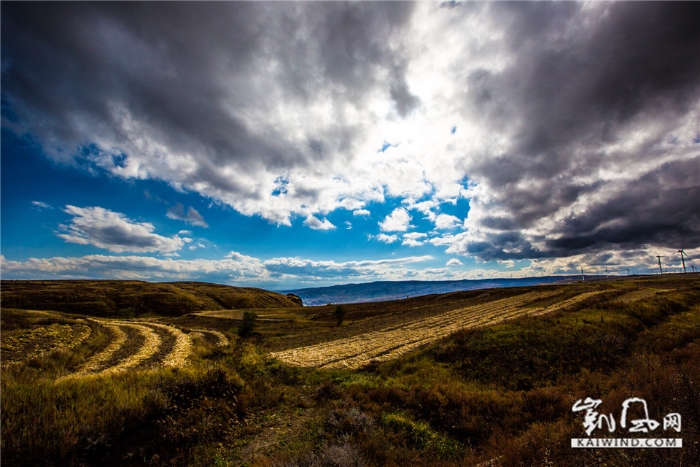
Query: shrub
[[248, 325], [339, 314]]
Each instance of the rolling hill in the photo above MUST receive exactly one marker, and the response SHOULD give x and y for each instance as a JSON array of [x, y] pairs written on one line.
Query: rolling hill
[[134, 298]]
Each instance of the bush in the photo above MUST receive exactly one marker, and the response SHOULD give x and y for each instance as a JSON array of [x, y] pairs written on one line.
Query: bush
[[248, 325], [339, 314]]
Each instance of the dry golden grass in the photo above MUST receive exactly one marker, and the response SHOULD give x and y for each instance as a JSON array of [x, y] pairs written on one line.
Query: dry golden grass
[[107, 362], [181, 351], [21, 345], [150, 346], [101, 358], [221, 339], [637, 295], [389, 343]]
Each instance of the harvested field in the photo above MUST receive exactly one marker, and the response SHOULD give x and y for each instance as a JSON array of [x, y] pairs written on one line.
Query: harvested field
[[21, 345], [637, 295], [138, 345], [215, 338], [391, 342]]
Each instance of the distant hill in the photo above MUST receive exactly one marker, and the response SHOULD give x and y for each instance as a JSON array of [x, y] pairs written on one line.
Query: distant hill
[[394, 290], [133, 298]]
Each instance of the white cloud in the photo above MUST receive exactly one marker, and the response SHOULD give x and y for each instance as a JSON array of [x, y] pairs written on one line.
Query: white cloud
[[115, 232], [316, 224], [191, 217], [290, 130], [411, 242], [348, 225], [360, 212], [412, 239], [233, 268], [386, 238], [453, 262], [41, 204], [397, 221], [238, 268], [446, 221]]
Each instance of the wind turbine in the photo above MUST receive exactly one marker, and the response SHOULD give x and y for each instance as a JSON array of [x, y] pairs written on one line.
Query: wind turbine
[[683, 260], [659, 257]]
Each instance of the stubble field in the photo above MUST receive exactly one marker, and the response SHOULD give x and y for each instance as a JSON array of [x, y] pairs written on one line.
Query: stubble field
[[465, 378]]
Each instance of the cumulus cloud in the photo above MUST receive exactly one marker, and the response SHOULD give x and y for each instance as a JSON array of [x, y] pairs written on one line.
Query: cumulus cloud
[[238, 268], [397, 221], [192, 217], [577, 122], [385, 238], [413, 239], [361, 212], [234, 268], [453, 262], [115, 232], [316, 224], [411, 242], [446, 222]]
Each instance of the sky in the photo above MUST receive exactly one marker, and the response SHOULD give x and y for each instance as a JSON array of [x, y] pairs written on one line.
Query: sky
[[300, 144]]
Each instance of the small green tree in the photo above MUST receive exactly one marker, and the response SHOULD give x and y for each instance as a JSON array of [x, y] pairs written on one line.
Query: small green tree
[[248, 325], [339, 314]]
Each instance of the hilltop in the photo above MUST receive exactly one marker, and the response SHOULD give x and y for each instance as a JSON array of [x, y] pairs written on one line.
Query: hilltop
[[134, 298]]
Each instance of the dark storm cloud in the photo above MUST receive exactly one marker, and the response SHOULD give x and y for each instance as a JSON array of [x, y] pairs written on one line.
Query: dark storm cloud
[[163, 81], [581, 83], [669, 213], [580, 119]]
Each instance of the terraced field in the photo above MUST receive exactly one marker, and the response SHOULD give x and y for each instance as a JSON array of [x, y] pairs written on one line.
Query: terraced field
[[136, 346], [18, 346], [131, 344], [391, 342]]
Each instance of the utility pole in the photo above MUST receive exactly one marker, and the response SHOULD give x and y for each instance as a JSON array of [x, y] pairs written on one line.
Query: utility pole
[[628, 271], [683, 260], [661, 270], [606, 272]]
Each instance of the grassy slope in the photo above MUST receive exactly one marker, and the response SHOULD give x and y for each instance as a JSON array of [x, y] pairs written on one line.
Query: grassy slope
[[503, 393], [133, 298]]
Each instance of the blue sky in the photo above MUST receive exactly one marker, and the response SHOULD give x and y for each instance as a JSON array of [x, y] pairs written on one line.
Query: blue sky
[[285, 145], [37, 194]]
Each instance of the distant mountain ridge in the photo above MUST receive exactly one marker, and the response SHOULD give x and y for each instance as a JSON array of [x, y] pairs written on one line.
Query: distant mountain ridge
[[394, 290]]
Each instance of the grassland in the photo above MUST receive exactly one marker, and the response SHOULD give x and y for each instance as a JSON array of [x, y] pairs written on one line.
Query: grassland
[[469, 378], [128, 299]]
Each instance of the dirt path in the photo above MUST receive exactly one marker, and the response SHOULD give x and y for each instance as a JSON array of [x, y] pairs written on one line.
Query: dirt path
[[391, 342]]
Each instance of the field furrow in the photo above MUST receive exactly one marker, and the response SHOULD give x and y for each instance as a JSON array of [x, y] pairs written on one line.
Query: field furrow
[[100, 359], [388, 343], [167, 344], [138, 345], [214, 337], [151, 344], [180, 352], [567, 303]]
